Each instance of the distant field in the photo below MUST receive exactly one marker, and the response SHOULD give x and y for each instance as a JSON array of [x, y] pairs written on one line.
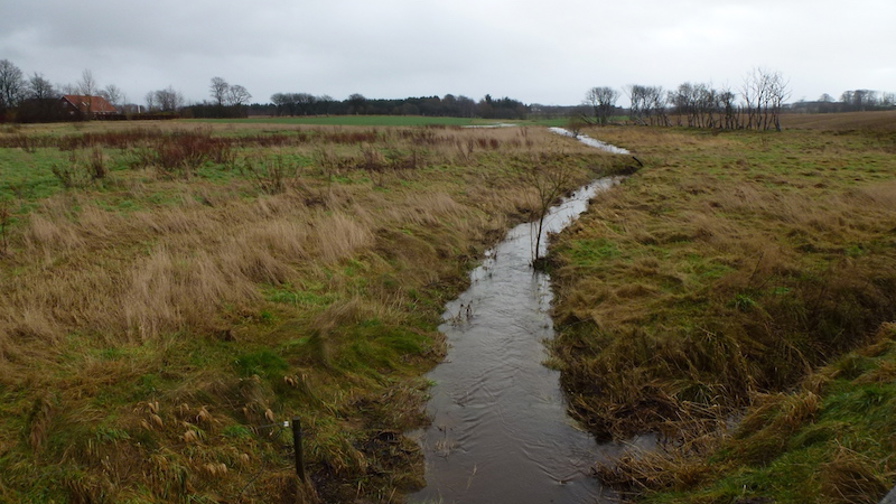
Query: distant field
[[370, 120], [380, 120], [882, 121], [358, 120]]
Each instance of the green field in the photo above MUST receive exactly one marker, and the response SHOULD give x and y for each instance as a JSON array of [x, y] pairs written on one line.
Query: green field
[[374, 120]]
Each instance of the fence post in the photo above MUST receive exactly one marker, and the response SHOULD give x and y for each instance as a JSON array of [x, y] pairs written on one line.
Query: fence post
[[297, 444]]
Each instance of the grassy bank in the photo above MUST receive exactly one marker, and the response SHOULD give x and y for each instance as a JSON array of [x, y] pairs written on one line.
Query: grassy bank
[[718, 279], [828, 440], [172, 293]]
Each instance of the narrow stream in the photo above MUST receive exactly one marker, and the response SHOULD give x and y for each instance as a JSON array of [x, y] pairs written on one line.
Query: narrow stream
[[500, 431]]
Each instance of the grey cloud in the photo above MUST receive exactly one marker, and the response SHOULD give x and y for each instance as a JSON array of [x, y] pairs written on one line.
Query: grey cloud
[[536, 51]]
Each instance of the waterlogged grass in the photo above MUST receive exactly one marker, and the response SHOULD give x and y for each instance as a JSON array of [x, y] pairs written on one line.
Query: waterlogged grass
[[718, 276], [162, 317]]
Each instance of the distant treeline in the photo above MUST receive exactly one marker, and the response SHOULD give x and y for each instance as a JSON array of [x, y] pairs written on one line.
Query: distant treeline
[[304, 104], [757, 104], [857, 100], [215, 111]]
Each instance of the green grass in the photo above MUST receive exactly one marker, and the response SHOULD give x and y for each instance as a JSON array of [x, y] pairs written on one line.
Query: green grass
[[350, 120], [29, 176]]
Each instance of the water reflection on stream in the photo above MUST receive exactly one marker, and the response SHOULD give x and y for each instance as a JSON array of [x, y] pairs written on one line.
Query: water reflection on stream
[[500, 432]]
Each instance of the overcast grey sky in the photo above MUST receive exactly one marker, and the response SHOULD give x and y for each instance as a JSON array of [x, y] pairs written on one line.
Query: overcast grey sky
[[547, 51]]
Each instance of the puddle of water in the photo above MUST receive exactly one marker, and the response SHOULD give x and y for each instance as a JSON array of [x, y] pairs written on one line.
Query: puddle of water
[[491, 126], [500, 431]]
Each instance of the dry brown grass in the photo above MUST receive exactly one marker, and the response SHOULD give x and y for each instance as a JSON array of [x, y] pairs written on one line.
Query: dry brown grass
[[877, 121], [853, 478], [732, 266], [172, 328], [714, 282]]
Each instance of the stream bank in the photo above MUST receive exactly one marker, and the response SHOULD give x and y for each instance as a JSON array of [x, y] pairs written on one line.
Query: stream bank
[[500, 432]]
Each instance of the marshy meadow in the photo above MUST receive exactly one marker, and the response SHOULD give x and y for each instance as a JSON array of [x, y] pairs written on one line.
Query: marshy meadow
[[172, 293]]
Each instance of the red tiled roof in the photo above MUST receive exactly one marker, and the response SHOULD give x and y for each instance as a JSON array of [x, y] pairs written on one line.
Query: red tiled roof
[[96, 104]]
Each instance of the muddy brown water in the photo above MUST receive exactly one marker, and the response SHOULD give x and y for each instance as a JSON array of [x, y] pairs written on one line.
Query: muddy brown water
[[500, 431]]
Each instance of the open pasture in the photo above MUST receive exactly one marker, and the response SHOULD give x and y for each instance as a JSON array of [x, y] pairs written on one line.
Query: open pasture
[[714, 286]]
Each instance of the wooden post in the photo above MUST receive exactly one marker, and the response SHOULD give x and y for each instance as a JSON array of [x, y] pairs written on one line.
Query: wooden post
[[297, 444]]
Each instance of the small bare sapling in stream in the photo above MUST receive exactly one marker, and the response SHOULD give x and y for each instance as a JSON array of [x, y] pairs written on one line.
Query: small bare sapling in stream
[[548, 183]]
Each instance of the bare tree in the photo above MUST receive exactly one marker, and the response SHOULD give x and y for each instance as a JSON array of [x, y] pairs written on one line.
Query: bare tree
[[707, 105], [764, 93], [165, 100], [728, 102], [88, 87], [69, 89], [703, 106], [637, 97], [12, 84], [113, 95], [238, 95], [657, 101], [648, 105], [39, 88], [219, 90], [549, 183], [150, 98], [779, 93], [602, 101]]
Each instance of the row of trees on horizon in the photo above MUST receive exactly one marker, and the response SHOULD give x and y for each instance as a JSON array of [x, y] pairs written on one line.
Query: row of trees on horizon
[[232, 100], [757, 103]]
